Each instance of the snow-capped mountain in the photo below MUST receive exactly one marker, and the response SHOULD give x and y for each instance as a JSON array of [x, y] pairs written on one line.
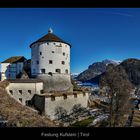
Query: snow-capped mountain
[[74, 75], [114, 62]]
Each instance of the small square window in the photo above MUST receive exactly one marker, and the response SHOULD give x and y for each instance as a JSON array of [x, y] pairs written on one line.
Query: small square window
[[66, 71], [20, 91], [41, 91], [64, 96], [29, 91], [37, 62], [63, 62], [11, 92], [20, 99], [52, 98], [52, 51], [50, 61], [75, 95], [42, 70]]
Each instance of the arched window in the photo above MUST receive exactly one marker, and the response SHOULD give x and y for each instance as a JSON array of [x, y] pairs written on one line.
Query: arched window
[[50, 73]]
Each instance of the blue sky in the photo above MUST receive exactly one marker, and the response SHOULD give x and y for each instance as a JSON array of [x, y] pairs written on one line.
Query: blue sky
[[94, 33]]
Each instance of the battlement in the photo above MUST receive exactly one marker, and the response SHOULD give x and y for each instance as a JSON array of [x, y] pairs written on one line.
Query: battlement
[[63, 95], [47, 104]]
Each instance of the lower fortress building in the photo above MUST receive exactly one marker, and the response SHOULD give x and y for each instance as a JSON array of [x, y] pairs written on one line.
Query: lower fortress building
[[44, 81]]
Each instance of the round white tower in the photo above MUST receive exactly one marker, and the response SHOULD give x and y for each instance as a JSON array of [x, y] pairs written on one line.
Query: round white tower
[[50, 61]]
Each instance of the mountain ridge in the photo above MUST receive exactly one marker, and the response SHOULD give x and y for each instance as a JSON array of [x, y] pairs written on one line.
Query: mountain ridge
[[131, 67], [95, 69]]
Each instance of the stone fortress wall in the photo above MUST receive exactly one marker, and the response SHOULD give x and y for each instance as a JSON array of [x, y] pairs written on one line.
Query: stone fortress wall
[[56, 82], [24, 92], [49, 103], [50, 56]]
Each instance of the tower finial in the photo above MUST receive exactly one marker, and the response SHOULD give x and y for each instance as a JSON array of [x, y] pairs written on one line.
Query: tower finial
[[50, 30]]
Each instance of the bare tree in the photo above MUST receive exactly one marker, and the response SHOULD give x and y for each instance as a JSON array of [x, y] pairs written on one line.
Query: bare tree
[[120, 87]]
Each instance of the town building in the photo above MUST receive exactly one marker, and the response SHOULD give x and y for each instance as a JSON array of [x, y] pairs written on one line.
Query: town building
[[12, 67]]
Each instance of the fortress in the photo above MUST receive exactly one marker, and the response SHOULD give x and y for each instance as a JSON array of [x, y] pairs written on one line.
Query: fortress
[[44, 81]]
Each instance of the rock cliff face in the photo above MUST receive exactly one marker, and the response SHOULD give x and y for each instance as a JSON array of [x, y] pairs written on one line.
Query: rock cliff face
[[94, 70]]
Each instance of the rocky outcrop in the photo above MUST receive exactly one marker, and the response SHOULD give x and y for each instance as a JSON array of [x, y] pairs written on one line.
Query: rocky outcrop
[[94, 70]]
